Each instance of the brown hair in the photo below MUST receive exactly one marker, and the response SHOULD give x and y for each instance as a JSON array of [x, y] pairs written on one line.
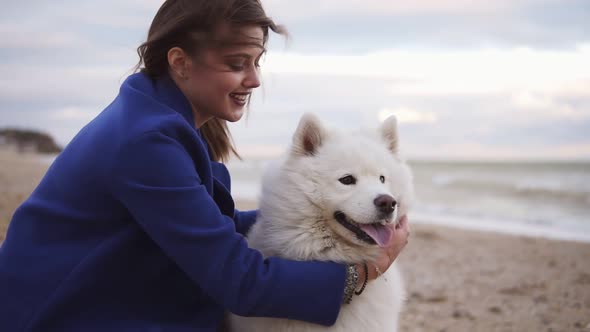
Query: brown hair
[[190, 25]]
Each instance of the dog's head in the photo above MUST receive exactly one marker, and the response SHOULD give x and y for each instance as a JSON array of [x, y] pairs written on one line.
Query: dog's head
[[355, 180]]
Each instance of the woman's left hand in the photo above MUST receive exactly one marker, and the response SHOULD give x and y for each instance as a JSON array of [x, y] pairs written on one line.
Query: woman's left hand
[[389, 254]]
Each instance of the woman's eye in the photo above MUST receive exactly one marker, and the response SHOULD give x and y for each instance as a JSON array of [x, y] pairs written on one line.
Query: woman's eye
[[347, 180], [236, 67], [382, 179]]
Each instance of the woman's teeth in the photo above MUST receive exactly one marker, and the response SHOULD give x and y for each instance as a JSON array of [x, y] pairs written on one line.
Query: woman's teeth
[[239, 97]]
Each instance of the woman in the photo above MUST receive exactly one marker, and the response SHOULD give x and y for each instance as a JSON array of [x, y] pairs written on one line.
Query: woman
[[134, 228]]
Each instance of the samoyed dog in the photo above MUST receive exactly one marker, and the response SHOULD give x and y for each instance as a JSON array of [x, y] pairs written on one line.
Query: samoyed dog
[[335, 197]]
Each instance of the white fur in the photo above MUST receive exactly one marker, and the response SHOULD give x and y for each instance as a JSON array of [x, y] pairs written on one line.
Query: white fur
[[299, 197]]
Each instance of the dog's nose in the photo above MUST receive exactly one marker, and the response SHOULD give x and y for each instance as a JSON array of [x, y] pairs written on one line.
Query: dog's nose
[[385, 203]]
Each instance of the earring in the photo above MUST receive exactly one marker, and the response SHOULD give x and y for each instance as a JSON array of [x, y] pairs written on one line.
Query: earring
[[181, 74]]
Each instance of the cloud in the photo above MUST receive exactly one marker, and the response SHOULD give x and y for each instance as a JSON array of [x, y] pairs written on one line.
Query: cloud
[[406, 115], [291, 10], [65, 84], [464, 78], [75, 113], [19, 37], [548, 106], [478, 151], [73, 11], [72, 32], [430, 72], [358, 26]]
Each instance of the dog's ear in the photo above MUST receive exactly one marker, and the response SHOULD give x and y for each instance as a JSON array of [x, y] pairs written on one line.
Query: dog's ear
[[309, 135], [389, 133]]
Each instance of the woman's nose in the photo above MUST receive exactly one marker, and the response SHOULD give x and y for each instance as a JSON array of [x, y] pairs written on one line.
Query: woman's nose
[[252, 79]]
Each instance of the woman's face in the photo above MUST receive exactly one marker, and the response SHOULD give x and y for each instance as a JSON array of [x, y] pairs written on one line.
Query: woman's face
[[218, 81]]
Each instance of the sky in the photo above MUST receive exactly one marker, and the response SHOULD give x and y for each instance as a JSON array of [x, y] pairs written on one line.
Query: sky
[[504, 79]]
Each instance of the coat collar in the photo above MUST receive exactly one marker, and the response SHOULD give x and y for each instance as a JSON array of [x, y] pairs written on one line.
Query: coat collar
[[165, 91]]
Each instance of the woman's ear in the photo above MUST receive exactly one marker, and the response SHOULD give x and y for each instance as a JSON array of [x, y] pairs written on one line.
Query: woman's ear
[[178, 61]]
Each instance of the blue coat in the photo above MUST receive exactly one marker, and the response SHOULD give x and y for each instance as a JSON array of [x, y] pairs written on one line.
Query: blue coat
[[133, 228]]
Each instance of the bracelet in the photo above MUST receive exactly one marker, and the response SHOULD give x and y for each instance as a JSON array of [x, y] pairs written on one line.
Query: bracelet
[[352, 278], [365, 281]]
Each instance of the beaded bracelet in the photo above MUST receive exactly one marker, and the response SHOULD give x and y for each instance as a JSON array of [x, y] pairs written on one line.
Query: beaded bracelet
[[365, 281], [352, 278]]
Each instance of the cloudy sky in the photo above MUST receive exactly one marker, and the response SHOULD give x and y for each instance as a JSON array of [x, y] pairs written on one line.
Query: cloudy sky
[[467, 79]]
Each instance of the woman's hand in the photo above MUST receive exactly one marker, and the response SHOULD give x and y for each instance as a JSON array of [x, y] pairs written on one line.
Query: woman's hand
[[388, 254]]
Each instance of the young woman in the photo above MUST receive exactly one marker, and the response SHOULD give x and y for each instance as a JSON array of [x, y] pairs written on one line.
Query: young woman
[[134, 228]]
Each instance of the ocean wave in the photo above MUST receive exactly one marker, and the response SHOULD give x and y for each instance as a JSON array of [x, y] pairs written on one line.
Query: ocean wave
[[577, 232], [575, 190]]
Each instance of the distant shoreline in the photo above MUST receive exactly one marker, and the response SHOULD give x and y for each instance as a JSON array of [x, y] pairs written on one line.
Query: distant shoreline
[[460, 222], [492, 226], [466, 224]]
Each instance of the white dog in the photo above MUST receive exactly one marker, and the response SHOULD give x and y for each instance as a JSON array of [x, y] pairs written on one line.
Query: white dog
[[335, 197]]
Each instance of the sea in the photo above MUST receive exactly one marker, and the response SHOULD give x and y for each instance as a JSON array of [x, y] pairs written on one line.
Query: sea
[[548, 199]]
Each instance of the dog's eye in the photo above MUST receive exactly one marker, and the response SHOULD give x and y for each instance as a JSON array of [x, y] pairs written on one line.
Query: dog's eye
[[382, 179], [347, 180]]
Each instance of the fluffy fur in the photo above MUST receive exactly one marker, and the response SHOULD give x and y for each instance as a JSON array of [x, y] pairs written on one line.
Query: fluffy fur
[[300, 198]]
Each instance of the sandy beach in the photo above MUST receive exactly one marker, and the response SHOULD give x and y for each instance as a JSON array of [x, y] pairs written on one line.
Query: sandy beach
[[19, 174], [456, 280]]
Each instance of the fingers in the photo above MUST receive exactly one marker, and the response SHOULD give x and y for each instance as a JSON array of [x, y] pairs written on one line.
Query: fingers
[[406, 228], [389, 254], [406, 225], [402, 223], [401, 235], [402, 228]]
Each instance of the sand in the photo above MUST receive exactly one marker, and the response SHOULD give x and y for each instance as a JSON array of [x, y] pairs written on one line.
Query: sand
[[460, 280], [456, 280], [19, 174]]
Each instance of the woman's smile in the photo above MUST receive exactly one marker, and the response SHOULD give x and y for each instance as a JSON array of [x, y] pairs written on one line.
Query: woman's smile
[[240, 98]]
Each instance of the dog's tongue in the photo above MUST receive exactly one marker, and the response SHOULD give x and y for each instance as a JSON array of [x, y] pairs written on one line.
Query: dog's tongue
[[380, 233]]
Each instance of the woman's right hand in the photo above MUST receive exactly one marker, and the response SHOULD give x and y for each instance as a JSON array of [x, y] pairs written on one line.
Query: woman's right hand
[[388, 254]]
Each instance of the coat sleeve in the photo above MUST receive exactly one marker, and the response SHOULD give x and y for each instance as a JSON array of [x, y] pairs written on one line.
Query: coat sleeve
[[244, 220], [155, 179]]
